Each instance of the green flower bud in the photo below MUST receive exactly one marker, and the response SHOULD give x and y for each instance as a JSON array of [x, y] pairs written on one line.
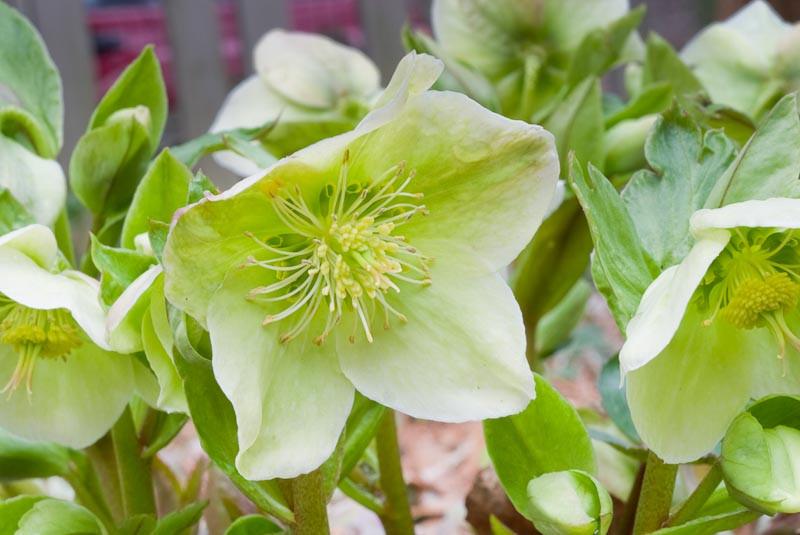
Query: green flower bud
[[570, 502]]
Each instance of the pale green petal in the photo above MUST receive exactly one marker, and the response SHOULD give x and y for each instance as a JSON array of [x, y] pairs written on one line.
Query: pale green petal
[[124, 321], [777, 212], [291, 400], [487, 180], [74, 400], [158, 347], [735, 59], [460, 356], [36, 241], [683, 401], [663, 304], [314, 70], [487, 34], [22, 280], [37, 183], [566, 22]]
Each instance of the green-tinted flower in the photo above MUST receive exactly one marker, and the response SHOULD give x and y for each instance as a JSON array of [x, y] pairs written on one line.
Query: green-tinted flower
[[368, 261], [717, 329], [520, 45], [571, 502], [749, 61], [62, 383], [313, 86]]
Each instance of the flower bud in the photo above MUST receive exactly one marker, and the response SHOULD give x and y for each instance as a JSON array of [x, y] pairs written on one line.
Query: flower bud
[[571, 502], [140, 114]]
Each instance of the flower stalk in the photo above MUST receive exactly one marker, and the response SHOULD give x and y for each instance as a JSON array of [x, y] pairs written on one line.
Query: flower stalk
[[310, 505], [656, 495], [396, 517]]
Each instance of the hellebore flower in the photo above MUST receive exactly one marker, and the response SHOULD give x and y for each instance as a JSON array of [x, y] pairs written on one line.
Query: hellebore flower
[[311, 85], [517, 44], [62, 383], [748, 61], [368, 261], [717, 329]]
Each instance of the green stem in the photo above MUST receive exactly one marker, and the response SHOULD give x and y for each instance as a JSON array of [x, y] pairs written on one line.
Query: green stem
[[310, 505], [361, 495], [396, 517], [698, 498], [138, 496], [64, 236], [101, 457], [656, 496]]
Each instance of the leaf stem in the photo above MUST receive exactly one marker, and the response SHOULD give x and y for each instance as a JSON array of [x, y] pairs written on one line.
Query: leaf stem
[[655, 498], [135, 477], [310, 506], [689, 509], [396, 517]]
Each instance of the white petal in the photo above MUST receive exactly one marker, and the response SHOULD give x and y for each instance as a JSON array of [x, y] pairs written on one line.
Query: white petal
[[314, 70], [777, 212], [74, 400], [124, 321], [36, 241], [37, 183], [291, 400], [460, 356], [664, 303], [22, 280]]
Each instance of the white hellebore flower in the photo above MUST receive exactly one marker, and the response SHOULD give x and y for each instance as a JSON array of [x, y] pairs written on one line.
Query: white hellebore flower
[[717, 329], [311, 85]]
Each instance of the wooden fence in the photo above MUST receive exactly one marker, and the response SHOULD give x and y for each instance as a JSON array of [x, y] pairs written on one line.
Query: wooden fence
[[194, 37]]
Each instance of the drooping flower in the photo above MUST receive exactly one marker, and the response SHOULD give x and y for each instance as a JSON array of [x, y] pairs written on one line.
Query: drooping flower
[[718, 329], [62, 383], [368, 261], [748, 61], [312, 86]]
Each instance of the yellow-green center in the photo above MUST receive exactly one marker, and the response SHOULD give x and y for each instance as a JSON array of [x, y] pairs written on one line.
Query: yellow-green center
[[754, 283], [35, 334], [342, 255]]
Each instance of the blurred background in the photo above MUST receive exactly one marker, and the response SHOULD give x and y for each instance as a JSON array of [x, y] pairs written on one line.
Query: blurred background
[[205, 45]]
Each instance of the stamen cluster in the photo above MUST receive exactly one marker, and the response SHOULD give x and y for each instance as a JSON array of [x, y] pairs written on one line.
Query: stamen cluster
[[33, 334], [342, 253]]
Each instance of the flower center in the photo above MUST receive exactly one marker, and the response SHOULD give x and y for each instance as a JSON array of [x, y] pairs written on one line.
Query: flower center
[[754, 282], [33, 334], [343, 254]]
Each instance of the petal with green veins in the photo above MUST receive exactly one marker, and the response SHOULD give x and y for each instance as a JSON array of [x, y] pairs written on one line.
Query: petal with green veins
[[291, 400], [460, 356], [73, 400]]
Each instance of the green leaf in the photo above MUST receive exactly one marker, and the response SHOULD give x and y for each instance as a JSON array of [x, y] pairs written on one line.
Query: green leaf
[[192, 151], [653, 99], [214, 419], [551, 263], [24, 459], [252, 525], [30, 86], [140, 84], [199, 186], [577, 123], [163, 189], [179, 521], [498, 528], [769, 164], [621, 267], [662, 64], [361, 426], [12, 214], [548, 436], [686, 165], [600, 49], [57, 517], [118, 268], [12, 511], [142, 524], [709, 525], [108, 163], [167, 426], [557, 325], [613, 399]]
